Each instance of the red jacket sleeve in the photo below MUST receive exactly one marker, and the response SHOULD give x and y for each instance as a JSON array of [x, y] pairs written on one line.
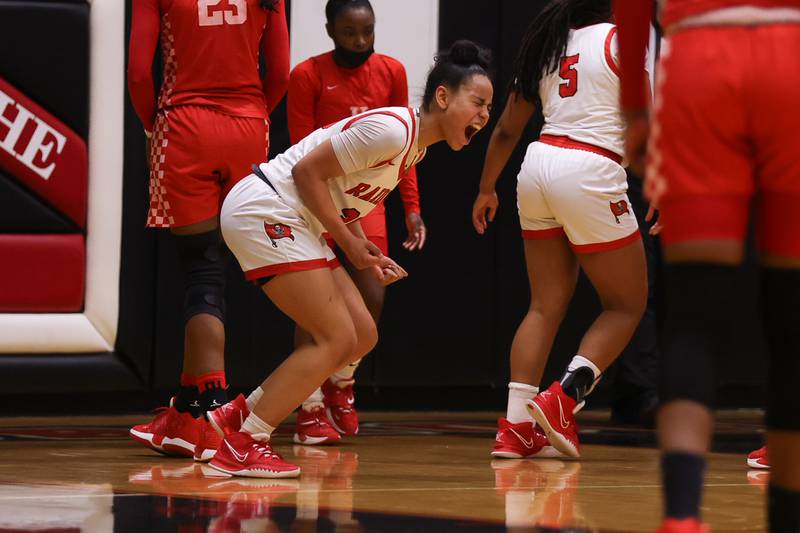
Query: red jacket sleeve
[[633, 20], [304, 90], [409, 190], [145, 27], [275, 51]]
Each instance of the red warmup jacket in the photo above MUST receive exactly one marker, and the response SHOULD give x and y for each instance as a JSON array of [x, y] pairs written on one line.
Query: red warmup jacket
[[321, 93], [211, 56]]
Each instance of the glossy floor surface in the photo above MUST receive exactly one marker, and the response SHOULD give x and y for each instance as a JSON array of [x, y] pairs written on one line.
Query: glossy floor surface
[[404, 472]]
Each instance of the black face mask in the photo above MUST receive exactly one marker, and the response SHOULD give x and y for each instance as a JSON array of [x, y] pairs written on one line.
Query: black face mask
[[349, 59]]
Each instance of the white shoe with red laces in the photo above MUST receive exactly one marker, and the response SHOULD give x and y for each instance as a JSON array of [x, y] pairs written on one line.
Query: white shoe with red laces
[[241, 455], [314, 427]]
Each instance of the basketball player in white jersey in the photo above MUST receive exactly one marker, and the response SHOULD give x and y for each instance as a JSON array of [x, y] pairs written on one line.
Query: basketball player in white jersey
[[574, 213], [273, 222]]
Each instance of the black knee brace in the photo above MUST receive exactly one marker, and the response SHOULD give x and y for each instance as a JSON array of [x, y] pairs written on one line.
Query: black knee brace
[[203, 268], [780, 311], [695, 328]]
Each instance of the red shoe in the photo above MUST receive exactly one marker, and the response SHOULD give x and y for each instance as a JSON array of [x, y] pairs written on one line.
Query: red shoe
[[208, 442], [686, 525], [339, 402], [517, 441], [230, 417], [758, 458], [554, 412], [170, 432], [314, 427], [241, 455]]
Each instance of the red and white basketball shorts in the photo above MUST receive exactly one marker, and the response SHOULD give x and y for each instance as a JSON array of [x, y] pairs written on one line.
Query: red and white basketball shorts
[[575, 192], [374, 226], [727, 133], [267, 236], [196, 156]]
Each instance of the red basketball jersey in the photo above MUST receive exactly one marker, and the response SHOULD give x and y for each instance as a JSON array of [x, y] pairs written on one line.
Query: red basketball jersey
[[210, 54]]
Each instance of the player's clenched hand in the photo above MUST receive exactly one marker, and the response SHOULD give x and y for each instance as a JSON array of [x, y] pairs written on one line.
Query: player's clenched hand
[[638, 130], [362, 253], [483, 210], [417, 232], [388, 272]]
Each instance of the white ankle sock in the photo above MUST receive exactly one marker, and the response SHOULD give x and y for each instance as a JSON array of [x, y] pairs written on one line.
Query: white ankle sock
[[518, 396], [345, 373], [314, 401], [252, 400], [257, 428]]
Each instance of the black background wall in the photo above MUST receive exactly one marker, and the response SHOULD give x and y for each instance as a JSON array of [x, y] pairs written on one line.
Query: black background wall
[[446, 330]]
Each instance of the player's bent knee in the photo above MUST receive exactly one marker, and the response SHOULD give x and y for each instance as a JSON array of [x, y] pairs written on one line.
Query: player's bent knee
[[203, 268], [367, 339]]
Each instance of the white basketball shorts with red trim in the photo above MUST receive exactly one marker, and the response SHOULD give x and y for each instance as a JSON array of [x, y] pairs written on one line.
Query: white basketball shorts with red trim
[[575, 191], [267, 236]]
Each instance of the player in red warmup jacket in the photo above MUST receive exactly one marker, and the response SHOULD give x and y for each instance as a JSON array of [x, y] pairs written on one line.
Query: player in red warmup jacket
[[205, 128], [324, 89], [724, 141]]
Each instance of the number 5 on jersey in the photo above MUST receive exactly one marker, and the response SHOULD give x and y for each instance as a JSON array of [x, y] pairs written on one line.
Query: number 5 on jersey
[[569, 74], [210, 13]]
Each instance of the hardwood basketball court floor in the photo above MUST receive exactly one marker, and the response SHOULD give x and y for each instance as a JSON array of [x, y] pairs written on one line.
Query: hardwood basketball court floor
[[404, 472]]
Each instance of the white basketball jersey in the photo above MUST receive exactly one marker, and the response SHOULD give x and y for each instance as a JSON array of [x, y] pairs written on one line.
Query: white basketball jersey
[[372, 148], [580, 100]]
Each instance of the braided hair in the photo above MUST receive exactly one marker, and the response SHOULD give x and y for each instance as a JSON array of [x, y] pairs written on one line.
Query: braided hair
[[545, 40]]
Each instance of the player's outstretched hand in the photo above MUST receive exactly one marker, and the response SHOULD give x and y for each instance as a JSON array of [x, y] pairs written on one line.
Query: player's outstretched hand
[[483, 210], [417, 232], [362, 253], [388, 271], [637, 132]]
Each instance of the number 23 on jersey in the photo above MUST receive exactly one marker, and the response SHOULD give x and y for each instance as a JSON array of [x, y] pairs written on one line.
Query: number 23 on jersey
[[219, 12]]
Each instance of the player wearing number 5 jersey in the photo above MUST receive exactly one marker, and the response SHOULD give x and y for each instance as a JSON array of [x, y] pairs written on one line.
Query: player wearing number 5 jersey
[[207, 125], [274, 221], [574, 212], [324, 89]]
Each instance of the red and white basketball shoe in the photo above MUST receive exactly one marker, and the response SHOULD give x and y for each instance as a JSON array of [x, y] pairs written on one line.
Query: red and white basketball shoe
[[314, 427], [241, 455], [230, 417], [685, 525], [517, 441], [170, 432], [758, 458], [208, 442], [340, 405], [554, 412]]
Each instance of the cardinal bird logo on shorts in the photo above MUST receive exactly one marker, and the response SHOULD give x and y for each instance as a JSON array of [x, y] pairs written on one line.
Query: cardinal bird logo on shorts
[[619, 208], [350, 214], [276, 232]]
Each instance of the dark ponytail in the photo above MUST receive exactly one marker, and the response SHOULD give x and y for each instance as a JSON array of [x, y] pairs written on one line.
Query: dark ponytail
[[269, 5], [455, 65], [545, 40], [334, 7]]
